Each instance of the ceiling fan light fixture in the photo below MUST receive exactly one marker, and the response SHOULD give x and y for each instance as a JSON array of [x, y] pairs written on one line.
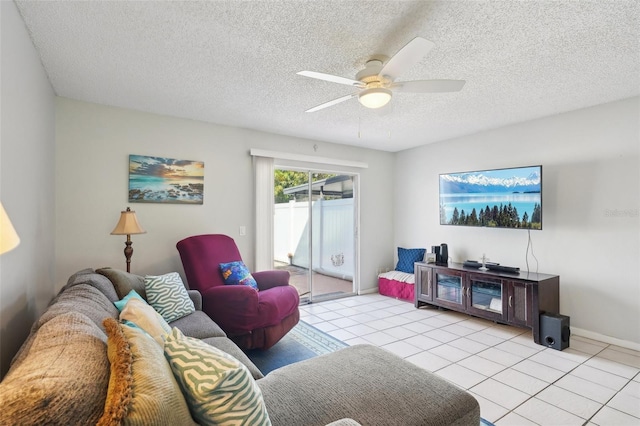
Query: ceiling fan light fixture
[[375, 98]]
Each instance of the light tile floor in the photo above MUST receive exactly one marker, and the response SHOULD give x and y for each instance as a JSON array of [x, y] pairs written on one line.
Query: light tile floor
[[516, 381]]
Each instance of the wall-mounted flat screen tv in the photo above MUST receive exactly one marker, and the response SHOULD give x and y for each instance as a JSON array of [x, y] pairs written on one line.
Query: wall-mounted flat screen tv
[[499, 198]]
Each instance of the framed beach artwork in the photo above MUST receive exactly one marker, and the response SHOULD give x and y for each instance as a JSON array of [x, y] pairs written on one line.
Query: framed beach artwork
[[165, 180]]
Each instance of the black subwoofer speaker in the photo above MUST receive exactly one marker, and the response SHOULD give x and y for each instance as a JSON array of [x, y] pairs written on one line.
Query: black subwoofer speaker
[[554, 331]]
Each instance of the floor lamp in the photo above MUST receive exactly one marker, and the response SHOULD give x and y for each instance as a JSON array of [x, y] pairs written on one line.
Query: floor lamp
[[8, 236], [128, 225]]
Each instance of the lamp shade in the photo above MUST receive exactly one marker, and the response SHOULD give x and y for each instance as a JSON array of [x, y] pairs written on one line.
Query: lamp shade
[[8, 236], [128, 224], [375, 97]]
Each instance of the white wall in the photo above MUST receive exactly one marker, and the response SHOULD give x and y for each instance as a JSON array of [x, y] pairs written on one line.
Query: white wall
[[591, 167], [93, 144], [26, 183]]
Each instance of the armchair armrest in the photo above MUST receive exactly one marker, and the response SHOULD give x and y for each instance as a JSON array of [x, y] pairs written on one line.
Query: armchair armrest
[[232, 307], [269, 279], [196, 298]]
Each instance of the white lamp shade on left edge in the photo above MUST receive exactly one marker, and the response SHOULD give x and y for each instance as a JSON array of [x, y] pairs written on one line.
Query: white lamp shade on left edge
[[8, 236]]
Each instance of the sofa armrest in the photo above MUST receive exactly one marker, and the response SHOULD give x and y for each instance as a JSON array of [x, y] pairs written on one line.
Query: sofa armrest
[[196, 298], [270, 279]]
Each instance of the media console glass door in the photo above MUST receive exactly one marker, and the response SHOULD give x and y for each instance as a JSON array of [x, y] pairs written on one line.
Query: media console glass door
[[449, 288], [486, 296]]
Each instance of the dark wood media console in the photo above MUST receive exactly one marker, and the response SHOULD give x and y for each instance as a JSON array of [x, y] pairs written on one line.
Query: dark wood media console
[[510, 298]]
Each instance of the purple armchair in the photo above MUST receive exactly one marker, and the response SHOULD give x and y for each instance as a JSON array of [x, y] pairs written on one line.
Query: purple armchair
[[252, 319]]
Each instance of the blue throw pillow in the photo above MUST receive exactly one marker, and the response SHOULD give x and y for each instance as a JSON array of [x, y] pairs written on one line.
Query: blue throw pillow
[[234, 273], [407, 257], [120, 304]]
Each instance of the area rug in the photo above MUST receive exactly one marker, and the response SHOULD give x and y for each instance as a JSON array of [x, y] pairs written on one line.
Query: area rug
[[302, 342]]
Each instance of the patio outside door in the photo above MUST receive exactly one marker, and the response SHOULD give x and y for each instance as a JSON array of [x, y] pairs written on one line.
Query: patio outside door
[[314, 232]]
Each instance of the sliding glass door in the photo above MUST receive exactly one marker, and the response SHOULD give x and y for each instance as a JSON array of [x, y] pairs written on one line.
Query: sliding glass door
[[315, 231]]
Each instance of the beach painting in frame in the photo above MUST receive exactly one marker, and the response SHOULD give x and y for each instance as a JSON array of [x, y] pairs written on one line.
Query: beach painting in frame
[[165, 180]]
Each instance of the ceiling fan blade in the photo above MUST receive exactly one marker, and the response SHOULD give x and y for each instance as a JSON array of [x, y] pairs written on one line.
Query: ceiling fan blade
[[331, 103], [406, 57], [428, 86], [331, 78]]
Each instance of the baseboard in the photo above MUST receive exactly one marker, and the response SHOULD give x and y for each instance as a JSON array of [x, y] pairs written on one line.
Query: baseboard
[[368, 291], [605, 339]]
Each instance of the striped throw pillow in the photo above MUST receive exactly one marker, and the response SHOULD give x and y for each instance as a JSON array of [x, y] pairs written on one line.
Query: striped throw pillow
[[142, 389], [168, 295], [218, 388]]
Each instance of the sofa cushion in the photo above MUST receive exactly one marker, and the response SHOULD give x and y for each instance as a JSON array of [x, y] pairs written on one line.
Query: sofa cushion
[[142, 389], [168, 295], [237, 273], [227, 345], [62, 378], [82, 298], [198, 325], [219, 389], [89, 276], [137, 313], [380, 389], [124, 282]]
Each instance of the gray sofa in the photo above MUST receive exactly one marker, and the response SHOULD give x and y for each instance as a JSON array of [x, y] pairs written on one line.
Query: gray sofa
[[61, 373]]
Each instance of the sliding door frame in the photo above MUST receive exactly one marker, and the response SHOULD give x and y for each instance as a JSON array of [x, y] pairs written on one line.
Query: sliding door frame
[[310, 170], [264, 230]]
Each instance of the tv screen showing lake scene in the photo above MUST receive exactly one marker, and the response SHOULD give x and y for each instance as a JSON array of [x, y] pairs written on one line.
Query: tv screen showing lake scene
[[500, 198]]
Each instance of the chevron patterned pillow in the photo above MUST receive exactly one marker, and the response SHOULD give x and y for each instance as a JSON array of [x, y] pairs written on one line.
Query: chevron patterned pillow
[[168, 295], [218, 388]]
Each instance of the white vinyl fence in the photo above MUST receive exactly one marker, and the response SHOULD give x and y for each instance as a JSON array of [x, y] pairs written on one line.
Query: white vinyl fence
[[333, 235]]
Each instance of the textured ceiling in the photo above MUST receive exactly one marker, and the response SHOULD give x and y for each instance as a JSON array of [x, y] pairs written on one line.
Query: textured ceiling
[[235, 62]]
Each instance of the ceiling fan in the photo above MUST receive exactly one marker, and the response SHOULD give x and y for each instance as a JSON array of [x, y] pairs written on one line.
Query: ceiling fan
[[376, 82]]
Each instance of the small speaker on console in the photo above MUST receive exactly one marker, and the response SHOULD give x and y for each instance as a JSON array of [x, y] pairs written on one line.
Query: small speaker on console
[[444, 253], [554, 331]]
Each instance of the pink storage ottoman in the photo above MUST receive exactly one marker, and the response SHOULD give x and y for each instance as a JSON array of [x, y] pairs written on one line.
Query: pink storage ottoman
[[397, 284]]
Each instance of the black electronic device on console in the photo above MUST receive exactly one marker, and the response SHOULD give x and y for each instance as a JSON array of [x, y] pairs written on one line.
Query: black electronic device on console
[[500, 268], [441, 252], [476, 264], [491, 266]]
